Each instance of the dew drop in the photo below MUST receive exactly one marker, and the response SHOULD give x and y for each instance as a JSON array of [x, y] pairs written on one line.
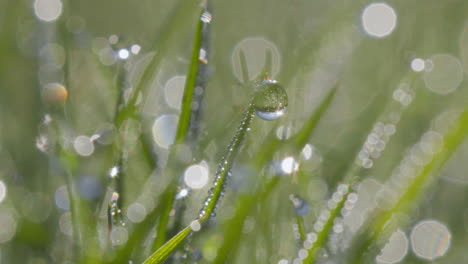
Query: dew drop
[[195, 226], [270, 100], [206, 17]]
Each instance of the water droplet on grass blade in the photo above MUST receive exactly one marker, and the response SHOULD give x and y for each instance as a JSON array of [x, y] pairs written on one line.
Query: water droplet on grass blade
[[270, 100], [206, 17]]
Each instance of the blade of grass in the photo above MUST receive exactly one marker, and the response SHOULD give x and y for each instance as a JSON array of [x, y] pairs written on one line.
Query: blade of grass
[[412, 194], [166, 250], [349, 179], [215, 193], [182, 13], [190, 81], [247, 202], [181, 133]]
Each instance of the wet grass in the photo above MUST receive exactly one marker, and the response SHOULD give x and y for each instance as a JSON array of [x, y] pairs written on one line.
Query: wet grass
[[347, 122]]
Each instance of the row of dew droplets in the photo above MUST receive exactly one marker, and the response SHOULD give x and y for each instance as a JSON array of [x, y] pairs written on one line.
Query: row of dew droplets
[[270, 102], [116, 225]]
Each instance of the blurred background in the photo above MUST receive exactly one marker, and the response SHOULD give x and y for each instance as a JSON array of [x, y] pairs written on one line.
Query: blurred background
[[67, 67]]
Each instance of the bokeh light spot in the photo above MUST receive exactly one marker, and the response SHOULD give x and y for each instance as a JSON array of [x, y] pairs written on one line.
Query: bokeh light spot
[[430, 239], [164, 129], [256, 51], [418, 65], [379, 20], [196, 176], [396, 248], [83, 146], [445, 74], [8, 224], [48, 10], [173, 91]]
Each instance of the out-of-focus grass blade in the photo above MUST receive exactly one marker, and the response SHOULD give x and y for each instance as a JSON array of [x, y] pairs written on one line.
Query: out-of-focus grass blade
[[452, 140], [182, 13], [179, 18], [300, 139]]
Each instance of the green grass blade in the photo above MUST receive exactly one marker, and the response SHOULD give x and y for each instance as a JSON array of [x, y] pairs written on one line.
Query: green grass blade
[[322, 236], [190, 81], [167, 197], [173, 26], [412, 194], [215, 192], [300, 139], [225, 165], [166, 250], [232, 228], [270, 146]]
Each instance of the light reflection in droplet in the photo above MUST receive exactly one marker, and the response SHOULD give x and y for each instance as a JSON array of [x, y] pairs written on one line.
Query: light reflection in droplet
[[430, 239], [164, 129], [395, 250], [379, 20], [445, 75], [206, 17], [196, 176], [48, 10]]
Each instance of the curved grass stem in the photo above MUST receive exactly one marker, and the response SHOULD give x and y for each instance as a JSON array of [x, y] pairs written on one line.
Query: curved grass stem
[[248, 202]]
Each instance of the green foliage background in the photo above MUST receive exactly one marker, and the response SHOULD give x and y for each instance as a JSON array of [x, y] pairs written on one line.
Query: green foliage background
[[322, 45]]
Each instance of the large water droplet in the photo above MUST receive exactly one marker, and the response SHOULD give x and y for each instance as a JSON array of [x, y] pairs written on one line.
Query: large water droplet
[[270, 100]]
